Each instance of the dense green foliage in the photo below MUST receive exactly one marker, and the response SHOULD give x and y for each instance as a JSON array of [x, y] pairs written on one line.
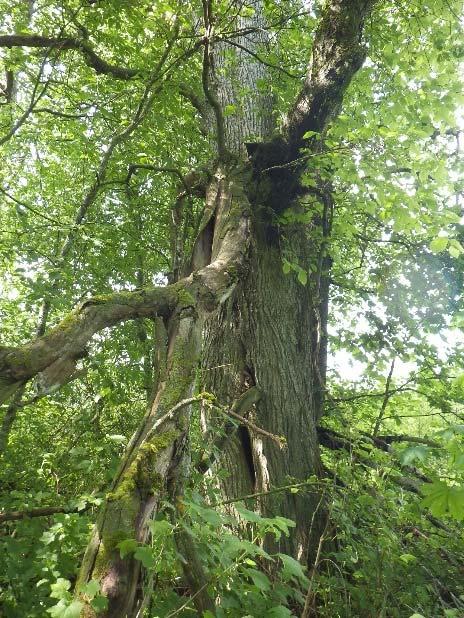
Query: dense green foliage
[[75, 222]]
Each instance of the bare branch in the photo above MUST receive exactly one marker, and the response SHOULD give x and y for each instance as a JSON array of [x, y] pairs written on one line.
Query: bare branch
[[279, 440], [67, 341], [36, 96], [153, 168], [385, 401], [198, 103]]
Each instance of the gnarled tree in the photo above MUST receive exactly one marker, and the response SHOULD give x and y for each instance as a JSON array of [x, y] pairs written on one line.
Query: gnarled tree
[[257, 333]]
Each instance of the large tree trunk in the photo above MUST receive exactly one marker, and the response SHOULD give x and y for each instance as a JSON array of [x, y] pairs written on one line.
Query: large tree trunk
[[259, 326], [263, 337], [266, 334]]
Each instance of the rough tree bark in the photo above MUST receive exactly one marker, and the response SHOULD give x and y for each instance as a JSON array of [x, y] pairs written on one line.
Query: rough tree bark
[[235, 310]]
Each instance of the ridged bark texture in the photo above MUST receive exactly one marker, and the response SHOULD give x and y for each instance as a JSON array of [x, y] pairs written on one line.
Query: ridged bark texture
[[241, 82], [263, 336]]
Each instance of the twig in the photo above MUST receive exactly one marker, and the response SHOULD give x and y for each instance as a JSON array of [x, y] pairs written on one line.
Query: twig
[[279, 440], [385, 401], [276, 490]]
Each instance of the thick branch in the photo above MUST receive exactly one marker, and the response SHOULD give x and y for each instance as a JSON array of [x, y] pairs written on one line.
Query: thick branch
[[337, 55], [58, 351], [67, 341], [91, 58]]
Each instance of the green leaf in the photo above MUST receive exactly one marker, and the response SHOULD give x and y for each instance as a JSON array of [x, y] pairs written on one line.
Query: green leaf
[[454, 251], [57, 610], [260, 580], [407, 558], [302, 276], [117, 438], [73, 610], [91, 588], [160, 528], [309, 134], [279, 611], [438, 244], [145, 556], [292, 569], [60, 588], [286, 267], [229, 110], [63, 610], [443, 499], [456, 502], [248, 515], [127, 547], [99, 603], [47, 537], [410, 454]]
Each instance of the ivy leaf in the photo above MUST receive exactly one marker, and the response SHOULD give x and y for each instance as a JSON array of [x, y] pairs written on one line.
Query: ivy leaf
[[57, 610], [99, 603], [73, 610], [60, 588], [63, 610], [91, 588]]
